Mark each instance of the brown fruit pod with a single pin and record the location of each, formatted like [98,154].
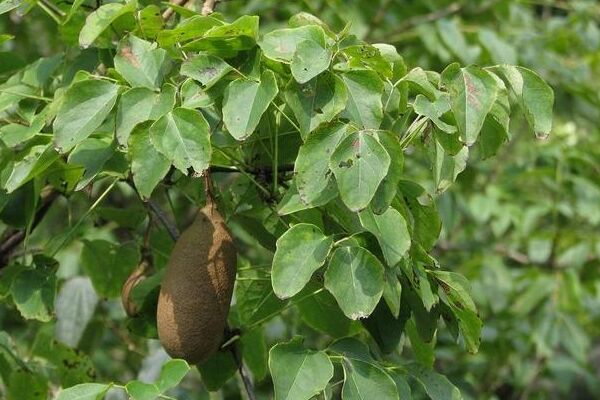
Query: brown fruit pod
[196,290]
[138,275]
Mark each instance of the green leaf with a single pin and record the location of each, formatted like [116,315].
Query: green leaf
[364,106]
[454,291]
[387,189]
[33,292]
[535,97]
[206,69]
[227,40]
[359,164]
[446,167]
[29,164]
[313,176]
[281,44]
[385,328]
[190,28]
[83,109]
[151,22]
[148,166]
[245,101]
[8,5]
[84,391]
[316,102]
[391,232]
[171,373]
[254,352]
[141,63]
[434,110]
[38,73]
[300,252]
[217,370]
[366,381]
[426,220]
[419,82]
[309,60]
[455,40]
[183,136]
[26,385]
[298,373]
[437,386]
[355,278]
[320,311]
[472,93]
[75,305]
[99,20]
[91,155]
[141,104]
[108,265]
[142,391]
[254,295]
[292,202]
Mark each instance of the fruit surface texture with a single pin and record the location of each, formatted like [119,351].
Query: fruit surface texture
[197,287]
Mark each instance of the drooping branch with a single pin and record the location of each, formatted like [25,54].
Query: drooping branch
[12,239]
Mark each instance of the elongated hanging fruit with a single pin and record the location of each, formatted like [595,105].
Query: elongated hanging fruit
[196,290]
[138,275]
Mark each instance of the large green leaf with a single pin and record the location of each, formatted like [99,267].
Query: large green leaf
[313,175]
[245,102]
[99,20]
[183,136]
[359,163]
[148,166]
[366,381]
[317,101]
[437,386]
[108,265]
[141,104]
[205,69]
[535,96]
[389,185]
[281,44]
[91,155]
[364,106]
[321,312]
[391,232]
[171,373]
[309,60]
[84,107]
[227,40]
[454,291]
[472,94]
[355,278]
[141,63]
[298,373]
[84,391]
[29,164]
[33,292]
[300,252]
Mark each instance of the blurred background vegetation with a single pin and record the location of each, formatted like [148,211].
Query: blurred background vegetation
[524,227]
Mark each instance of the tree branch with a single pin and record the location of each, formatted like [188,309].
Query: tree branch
[209,7]
[168,13]
[13,238]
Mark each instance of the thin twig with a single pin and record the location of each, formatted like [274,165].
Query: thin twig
[162,216]
[170,11]
[208,7]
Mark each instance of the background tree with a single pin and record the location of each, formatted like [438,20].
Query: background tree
[89,191]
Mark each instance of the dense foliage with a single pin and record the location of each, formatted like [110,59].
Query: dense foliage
[334,162]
